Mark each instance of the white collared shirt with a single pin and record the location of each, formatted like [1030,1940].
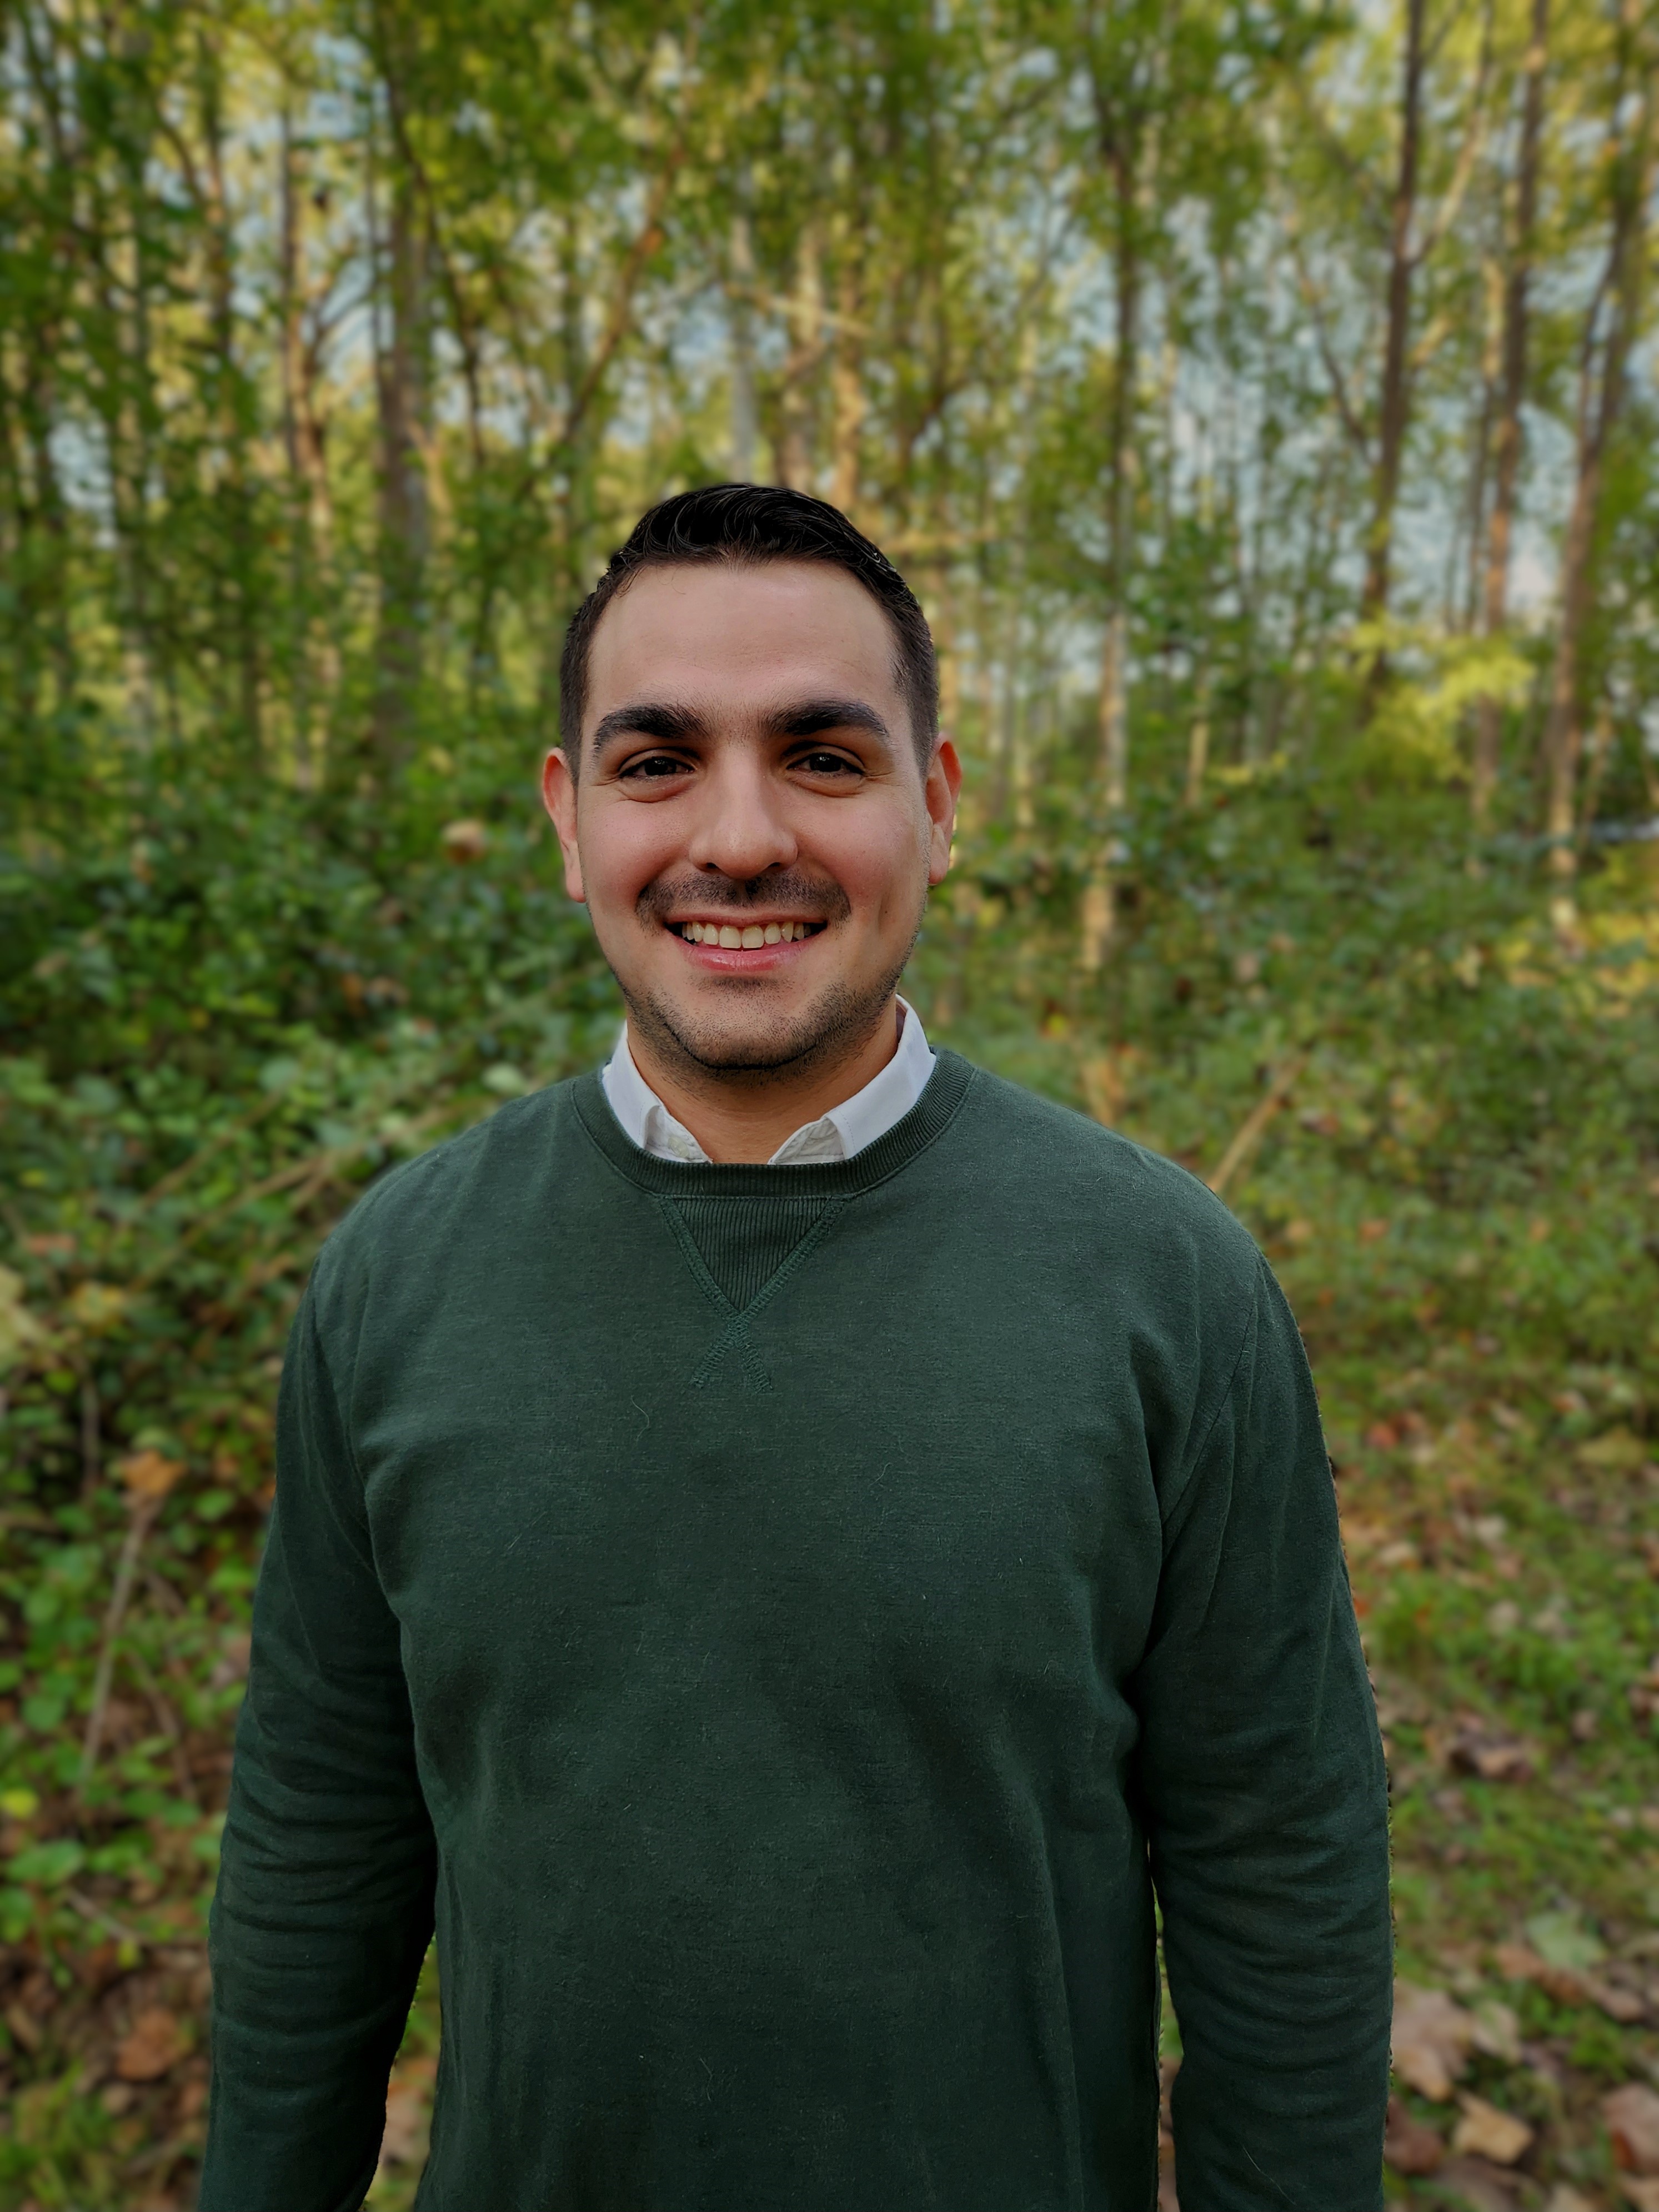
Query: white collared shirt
[837,1135]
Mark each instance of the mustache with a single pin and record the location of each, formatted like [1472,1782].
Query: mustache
[821,897]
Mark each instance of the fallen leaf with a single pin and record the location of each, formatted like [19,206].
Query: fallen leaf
[1475,2185]
[1410,2145]
[1564,2198]
[1488,2133]
[1619,2004]
[408,2113]
[1561,1939]
[1492,1757]
[155,2045]
[1568,1985]
[1642,2195]
[1632,2116]
[149,1474]
[464,840]
[1498,2031]
[1431,2038]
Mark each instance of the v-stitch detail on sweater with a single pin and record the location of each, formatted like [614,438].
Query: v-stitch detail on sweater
[735,1339]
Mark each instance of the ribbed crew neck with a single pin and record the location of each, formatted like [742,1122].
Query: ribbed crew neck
[927,1119]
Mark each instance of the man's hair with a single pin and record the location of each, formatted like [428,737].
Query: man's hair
[750,525]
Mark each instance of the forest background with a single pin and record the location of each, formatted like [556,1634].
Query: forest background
[1259,395]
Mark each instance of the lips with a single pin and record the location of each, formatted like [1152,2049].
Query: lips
[747,937]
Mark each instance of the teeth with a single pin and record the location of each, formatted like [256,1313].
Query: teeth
[774,932]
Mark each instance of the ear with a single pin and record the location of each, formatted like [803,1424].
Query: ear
[559,798]
[943,787]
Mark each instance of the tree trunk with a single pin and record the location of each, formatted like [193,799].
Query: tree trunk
[1198,744]
[806,321]
[740,308]
[221,272]
[846,381]
[402,383]
[316,665]
[1099,905]
[1507,443]
[1394,400]
[1600,403]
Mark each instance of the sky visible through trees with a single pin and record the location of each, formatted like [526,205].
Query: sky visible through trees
[1255,379]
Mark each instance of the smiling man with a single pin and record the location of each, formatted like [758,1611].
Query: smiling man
[788,1547]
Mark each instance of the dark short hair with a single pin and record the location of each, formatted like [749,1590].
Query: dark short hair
[748,525]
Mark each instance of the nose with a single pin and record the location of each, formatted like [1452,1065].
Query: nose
[741,826]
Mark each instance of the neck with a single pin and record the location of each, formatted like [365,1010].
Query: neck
[743,1115]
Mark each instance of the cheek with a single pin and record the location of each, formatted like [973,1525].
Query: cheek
[880,862]
[623,848]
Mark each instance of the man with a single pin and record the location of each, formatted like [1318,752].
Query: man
[792,1543]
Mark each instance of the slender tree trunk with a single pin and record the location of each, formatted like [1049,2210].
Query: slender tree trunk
[1393,399]
[1601,401]
[221,272]
[1198,744]
[806,321]
[401,387]
[847,379]
[1099,903]
[1507,442]
[740,308]
[316,669]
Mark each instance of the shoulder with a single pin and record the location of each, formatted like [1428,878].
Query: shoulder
[1049,1157]
[409,1214]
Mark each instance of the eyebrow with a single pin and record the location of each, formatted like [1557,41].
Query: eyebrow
[671,724]
[810,716]
[648,719]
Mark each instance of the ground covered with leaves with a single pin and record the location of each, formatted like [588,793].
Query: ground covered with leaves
[1439,1117]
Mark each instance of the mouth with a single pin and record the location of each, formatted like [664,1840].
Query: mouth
[744,937]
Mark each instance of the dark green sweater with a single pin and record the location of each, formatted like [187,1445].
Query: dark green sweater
[786,1620]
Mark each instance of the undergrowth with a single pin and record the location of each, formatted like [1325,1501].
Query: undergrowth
[1442,1121]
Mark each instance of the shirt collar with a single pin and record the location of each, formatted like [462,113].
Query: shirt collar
[839,1134]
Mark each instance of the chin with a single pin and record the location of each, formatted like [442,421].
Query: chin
[761,1040]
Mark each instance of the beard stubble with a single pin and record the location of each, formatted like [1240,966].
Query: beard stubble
[833,1026]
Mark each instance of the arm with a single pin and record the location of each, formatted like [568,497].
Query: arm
[324,1906]
[1267,1812]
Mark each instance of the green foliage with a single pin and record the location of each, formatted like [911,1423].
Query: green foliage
[338,344]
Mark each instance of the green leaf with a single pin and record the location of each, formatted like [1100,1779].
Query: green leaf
[49,1864]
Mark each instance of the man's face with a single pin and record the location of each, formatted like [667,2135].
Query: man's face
[751,829]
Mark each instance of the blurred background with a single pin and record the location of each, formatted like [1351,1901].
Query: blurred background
[1260,397]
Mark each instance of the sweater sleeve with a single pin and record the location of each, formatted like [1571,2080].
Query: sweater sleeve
[325,1902]
[1265,1797]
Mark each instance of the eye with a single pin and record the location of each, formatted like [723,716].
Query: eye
[654,767]
[825,763]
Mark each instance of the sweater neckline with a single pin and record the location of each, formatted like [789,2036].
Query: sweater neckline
[926,1121]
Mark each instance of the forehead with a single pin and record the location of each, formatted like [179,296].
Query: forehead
[720,635]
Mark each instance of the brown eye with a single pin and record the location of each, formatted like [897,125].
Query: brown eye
[828,765]
[655,766]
